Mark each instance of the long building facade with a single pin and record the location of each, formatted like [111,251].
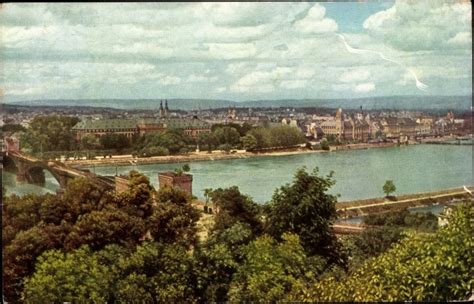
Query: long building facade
[141,126]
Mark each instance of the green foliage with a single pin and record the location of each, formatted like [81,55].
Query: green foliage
[225,147]
[372,242]
[305,208]
[154,144]
[186,168]
[50,133]
[114,141]
[270,269]
[325,144]
[154,151]
[249,142]
[90,142]
[218,259]
[99,228]
[235,207]
[138,199]
[174,219]
[242,129]
[227,136]
[155,273]
[12,128]
[68,277]
[279,136]
[427,222]
[422,267]
[389,187]
[20,255]
[84,214]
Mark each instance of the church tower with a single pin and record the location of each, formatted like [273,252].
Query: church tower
[162,111]
[167,110]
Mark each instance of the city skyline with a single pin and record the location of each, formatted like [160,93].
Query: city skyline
[234,51]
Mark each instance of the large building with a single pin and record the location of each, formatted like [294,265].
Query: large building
[131,127]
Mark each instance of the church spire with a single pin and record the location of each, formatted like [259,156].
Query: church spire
[161,108]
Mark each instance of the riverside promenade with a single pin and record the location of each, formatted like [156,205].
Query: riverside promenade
[127,160]
[380,205]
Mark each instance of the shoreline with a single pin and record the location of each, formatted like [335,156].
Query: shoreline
[205,156]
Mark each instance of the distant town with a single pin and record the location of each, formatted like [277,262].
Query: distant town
[335,125]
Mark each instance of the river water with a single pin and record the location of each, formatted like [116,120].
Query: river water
[359,174]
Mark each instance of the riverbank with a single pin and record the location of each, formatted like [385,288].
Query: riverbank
[127,160]
[363,207]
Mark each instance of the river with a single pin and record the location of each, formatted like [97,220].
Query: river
[359,174]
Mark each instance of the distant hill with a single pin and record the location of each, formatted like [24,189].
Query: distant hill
[458,103]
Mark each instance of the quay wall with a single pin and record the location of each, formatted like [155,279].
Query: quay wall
[381,205]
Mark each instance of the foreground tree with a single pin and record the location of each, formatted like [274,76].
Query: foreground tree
[270,269]
[174,218]
[218,259]
[68,277]
[235,207]
[305,208]
[422,267]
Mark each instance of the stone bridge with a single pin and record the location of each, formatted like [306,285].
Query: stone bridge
[31,170]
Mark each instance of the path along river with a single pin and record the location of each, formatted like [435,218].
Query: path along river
[359,174]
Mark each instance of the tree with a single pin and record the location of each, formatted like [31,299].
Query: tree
[389,187]
[138,199]
[218,259]
[227,136]
[270,269]
[68,277]
[422,267]
[20,255]
[108,226]
[174,219]
[325,144]
[207,194]
[249,142]
[155,273]
[372,242]
[235,207]
[90,142]
[305,208]
[50,133]
[114,141]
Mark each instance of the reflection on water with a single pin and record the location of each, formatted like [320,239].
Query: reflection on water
[13,187]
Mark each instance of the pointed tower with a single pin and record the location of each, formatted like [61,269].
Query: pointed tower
[161,108]
[167,110]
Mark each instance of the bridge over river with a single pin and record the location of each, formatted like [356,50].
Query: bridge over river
[31,170]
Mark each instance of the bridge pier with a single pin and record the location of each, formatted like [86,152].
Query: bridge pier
[63,180]
[21,173]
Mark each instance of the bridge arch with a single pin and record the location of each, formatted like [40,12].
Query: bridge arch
[31,171]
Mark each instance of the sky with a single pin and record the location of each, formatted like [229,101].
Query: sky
[234,51]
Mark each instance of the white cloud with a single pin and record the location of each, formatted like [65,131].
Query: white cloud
[293,84]
[315,22]
[364,87]
[461,39]
[200,78]
[170,80]
[421,25]
[231,50]
[355,75]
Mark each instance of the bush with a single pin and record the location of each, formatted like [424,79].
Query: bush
[155,151]
[325,145]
